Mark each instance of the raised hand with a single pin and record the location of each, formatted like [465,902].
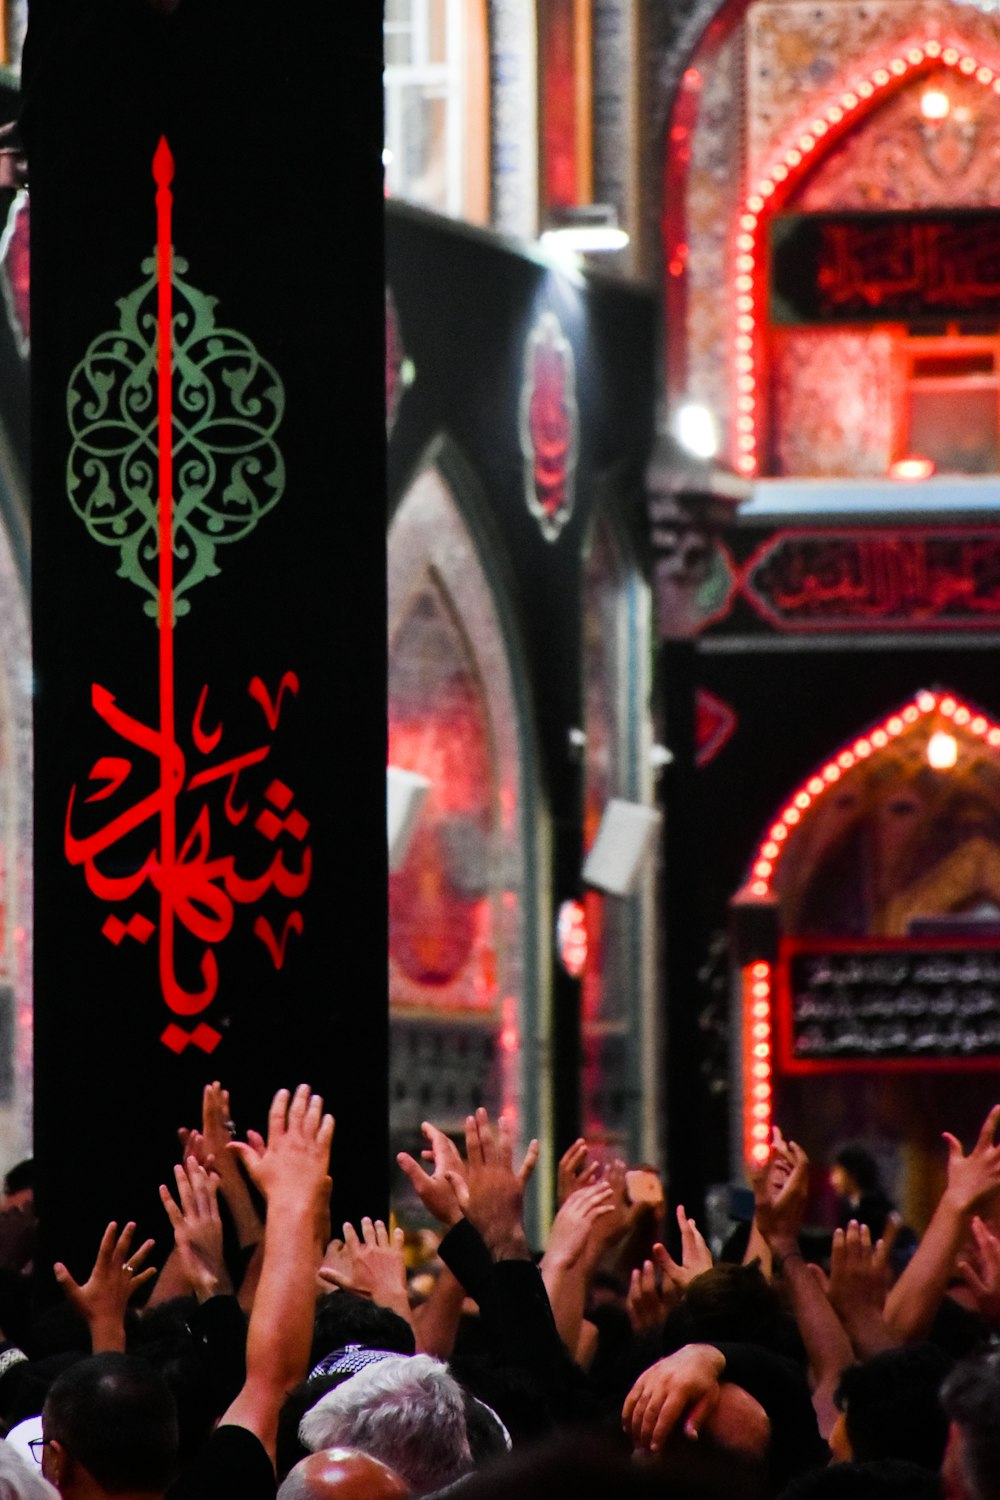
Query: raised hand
[575,1171]
[197,1228]
[491,1195]
[435,1188]
[979,1268]
[858,1285]
[650,1299]
[372,1265]
[780,1209]
[574,1224]
[103,1298]
[612,1227]
[696,1257]
[292,1167]
[974,1179]
[684,1387]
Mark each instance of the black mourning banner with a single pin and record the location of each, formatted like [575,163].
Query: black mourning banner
[890,1005]
[208,498]
[888,267]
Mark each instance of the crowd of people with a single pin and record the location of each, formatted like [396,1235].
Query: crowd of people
[269,1356]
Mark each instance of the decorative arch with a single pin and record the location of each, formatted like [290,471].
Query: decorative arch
[947,864]
[795,154]
[466,908]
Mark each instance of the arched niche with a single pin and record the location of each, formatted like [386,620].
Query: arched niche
[466,988]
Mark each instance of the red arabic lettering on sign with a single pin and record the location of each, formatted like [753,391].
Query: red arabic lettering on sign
[192,891]
[913,264]
[842,580]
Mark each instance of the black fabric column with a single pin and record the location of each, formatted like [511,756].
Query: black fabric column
[210,735]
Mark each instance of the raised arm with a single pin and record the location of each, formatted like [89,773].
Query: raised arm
[566,1265]
[291,1173]
[827,1345]
[972,1181]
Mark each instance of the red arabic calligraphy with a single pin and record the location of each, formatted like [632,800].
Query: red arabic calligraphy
[197,890]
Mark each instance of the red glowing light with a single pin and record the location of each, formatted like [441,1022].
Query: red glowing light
[950,56]
[879,739]
[692,79]
[761,1152]
[862,749]
[761,970]
[978,725]
[948,706]
[792,815]
[759,888]
[894,725]
[571,937]
[846,759]
[962,715]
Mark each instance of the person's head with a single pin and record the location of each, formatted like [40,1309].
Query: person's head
[731,1303]
[408,1411]
[884,1479]
[344,1318]
[971,1400]
[342,1474]
[110,1428]
[854,1171]
[890,1407]
[19,1186]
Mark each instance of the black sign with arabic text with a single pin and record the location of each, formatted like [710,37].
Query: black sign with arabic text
[890,1006]
[884,267]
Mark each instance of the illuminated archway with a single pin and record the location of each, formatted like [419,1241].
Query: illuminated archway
[796,154]
[936,731]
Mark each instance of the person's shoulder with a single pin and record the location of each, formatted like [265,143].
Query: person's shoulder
[234,1461]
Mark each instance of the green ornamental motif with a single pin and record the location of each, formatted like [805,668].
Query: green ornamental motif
[227,405]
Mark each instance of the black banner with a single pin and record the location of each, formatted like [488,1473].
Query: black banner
[208,450]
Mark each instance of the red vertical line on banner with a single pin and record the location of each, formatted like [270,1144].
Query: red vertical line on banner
[163,174]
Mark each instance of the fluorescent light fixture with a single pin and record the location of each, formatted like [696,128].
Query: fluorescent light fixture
[588,228]
[696,429]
